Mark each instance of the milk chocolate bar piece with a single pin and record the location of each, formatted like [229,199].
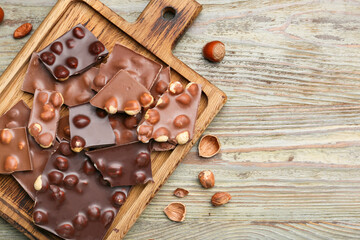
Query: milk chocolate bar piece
[44,116]
[74,201]
[14,150]
[124,127]
[124,165]
[76,90]
[72,53]
[18,116]
[63,130]
[142,69]
[89,127]
[161,84]
[173,118]
[122,94]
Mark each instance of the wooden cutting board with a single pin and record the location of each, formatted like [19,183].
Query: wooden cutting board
[153,34]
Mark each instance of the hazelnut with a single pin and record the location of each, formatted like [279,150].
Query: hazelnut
[132,107]
[175,211]
[181,121]
[42,97]
[57,99]
[11,164]
[111,105]
[183,137]
[207,179]
[192,88]
[45,140]
[146,100]
[152,116]
[180,192]
[161,87]
[214,51]
[184,99]
[6,136]
[35,129]
[176,88]
[163,102]
[144,133]
[77,144]
[220,198]
[161,135]
[48,113]
[209,146]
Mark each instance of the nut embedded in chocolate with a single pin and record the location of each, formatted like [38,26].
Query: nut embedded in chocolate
[183,137]
[48,113]
[61,163]
[146,100]
[70,43]
[6,136]
[11,164]
[61,73]
[161,135]
[80,222]
[57,47]
[77,144]
[181,121]
[65,230]
[132,107]
[48,58]
[35,129]
[176,88]
[152,116]
[40,217]
[107,217]
[111,105]
[72,62]
[163,102]
[81,121]
[78,32]
[57,99]
[45,140]
[184,99]
[96,48]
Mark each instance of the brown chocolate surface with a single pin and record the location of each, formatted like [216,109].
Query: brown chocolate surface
[72,53]
[173,118]
[63,130]
[161,84]
[74,201]
[76,90]
[18,116]
[124,165]
[44,116]
[14,150]
[142,69]
[121,90]
[162,146]
[90,127]
[124,127]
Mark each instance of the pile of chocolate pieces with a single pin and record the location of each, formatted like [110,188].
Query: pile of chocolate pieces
[79,168]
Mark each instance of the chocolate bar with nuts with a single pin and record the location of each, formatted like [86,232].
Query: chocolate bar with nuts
[72,53]
[73,200]
[124,127]
[44,116]
[124,165]
[173,118]
[89,127]
[63,130]
[161,84]
[14,150]
[142,69]
[18,116]
[76,90]
[122,94]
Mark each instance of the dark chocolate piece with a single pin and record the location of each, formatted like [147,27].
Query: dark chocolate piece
[63,130]
[74,201]
[89,127]
[124,165]
[142,69]
[122,94]
[124,127]
[14,151]
[162,146]
[72,53]
[161,84]
[44,116]
[173,118]
[18,116]
[76,90]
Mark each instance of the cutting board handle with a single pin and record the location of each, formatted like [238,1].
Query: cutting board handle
[163,21]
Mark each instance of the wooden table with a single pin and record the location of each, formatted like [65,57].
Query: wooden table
[290,131]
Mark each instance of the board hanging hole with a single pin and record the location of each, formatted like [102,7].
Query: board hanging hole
[168,13]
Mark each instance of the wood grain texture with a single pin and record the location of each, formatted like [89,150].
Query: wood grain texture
[290,131]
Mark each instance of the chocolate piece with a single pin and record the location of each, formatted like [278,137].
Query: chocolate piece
[162,146]
[124,127]
[76,90]
[14,150]
[122,94]
[124,165]
[89,127]
[142,69]
[173,118]
[72,53]
[18,116]
[74,201]
[44,116]
[63,130]
[161,84]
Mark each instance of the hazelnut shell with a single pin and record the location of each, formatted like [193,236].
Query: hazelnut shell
[175,211]
[209,146]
